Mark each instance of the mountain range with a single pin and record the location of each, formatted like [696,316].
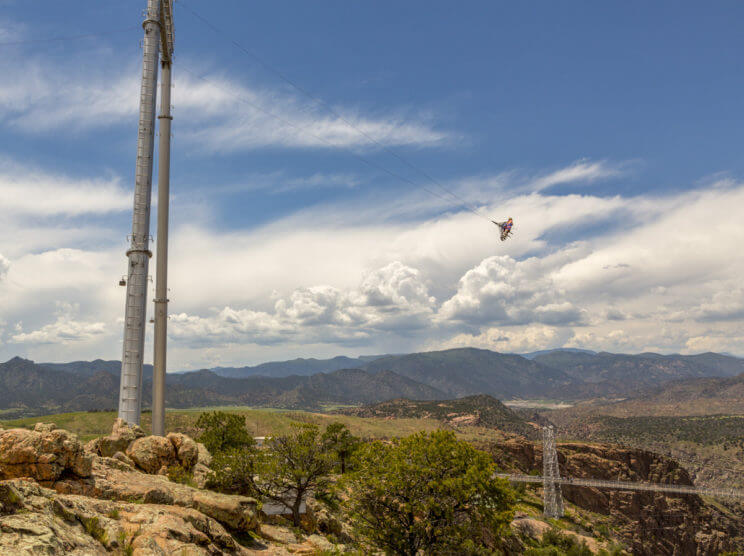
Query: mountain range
[30,388]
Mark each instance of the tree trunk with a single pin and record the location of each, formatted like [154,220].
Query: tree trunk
[296,518]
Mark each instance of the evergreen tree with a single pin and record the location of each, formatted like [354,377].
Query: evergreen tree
[428,492]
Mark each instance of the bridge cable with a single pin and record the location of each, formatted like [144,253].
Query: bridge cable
[460,200]
[260,108]
[69,38]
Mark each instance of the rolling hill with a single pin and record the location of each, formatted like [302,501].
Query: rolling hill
[481,411]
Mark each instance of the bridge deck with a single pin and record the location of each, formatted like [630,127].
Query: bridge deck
[628,485]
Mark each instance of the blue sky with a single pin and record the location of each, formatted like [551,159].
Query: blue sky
[609,131]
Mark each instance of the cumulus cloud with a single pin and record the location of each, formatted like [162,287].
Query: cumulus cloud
[726,304]
[389,299]
[512,340]
[501,290]
[337,277]
[64,329]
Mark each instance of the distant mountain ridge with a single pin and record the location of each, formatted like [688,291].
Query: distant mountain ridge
[469,371]
[89,368]
[31,389]
[534,354]
[300,367]
[620,375]
[311,383]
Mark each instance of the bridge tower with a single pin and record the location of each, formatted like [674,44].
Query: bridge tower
[552,496]
[158,27]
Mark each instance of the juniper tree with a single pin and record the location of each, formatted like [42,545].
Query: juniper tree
[427,492]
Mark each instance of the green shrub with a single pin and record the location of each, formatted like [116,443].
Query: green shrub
[234,470]
[293,465]
[223,431]
[428,492]
[338,440]
[178,474]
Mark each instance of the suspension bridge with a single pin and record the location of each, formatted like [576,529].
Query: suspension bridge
[552,482]
[628,485]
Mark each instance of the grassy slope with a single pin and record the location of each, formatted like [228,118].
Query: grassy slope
[261,422]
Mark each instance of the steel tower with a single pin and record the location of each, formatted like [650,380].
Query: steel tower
[158,26]
[552,496]
[161,279]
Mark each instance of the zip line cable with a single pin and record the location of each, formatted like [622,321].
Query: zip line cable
[70,38]
[305,92]
[319,138]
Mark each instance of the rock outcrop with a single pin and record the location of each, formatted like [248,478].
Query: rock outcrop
[112,479]
[57,498]
[122,435]
[46,454]
[187,452]
[151,454]
[42,521]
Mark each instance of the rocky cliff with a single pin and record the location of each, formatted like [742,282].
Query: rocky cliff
[58,497]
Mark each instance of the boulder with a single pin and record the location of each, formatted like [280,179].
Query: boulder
[236,512]
[123,458]
[530,527]
[122,435]
[203,457]
[92,447]
[10,499]
[327,523]
[152,453]
[201,474]
[187,452]
[42,454]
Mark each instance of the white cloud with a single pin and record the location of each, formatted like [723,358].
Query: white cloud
[63,330]
[38,97]
[521,339]
[280,182]
[501,290]
[227,116]
[342,277]
[390,299]
[725,304]
[30,191]
[583,171]
[4,266]
[220,114]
